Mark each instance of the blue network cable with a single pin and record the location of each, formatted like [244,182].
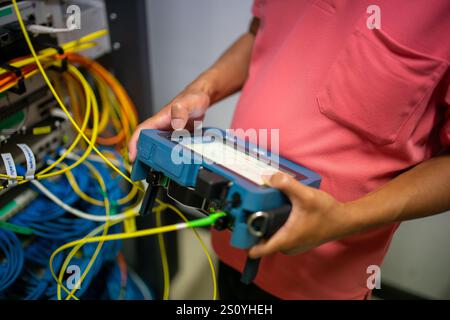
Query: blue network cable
[36,278]
[12,263]
[53,227]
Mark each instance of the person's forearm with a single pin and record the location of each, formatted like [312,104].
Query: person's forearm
[422,191]
[229,72]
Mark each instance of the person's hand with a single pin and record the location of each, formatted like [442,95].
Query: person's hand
[316,218]
[180,113]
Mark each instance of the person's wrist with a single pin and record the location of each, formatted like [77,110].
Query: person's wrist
[206,83]
[354,220]
[363,214]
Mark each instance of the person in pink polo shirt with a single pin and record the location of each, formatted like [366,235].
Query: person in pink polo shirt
[361,95]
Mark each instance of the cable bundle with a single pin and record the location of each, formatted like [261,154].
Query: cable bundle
[118,117]
[53,227]
[94,191]
[102,113]
[116,281]
[47,219]
[35,279]
[12,263]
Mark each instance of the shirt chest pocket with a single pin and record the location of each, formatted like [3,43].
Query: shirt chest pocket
[376,84]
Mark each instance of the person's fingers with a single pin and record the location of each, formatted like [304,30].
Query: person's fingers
[174,115]
[282,239]
[132,147]
[288,185]
[278,242]
[188,107]
[159,121]
[295,251]
[179,115]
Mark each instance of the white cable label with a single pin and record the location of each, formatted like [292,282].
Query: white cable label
[10,167]
[30,160]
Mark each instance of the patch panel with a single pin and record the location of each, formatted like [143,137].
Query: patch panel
[21,112]
[41,145]
[53,13]
[63,106]
[28,9]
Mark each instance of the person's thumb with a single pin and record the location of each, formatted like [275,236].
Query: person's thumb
[287,184]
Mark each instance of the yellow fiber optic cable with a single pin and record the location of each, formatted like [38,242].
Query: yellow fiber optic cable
[12,84]
[74,184]
[162,250]
[91,144]
[105,107]
[209,220]
[58,99]
[134,190]
[102,185]
[147,232]
[90,234]
[202,243]
[76,95]
[91,100]
[91,141]
[73,46]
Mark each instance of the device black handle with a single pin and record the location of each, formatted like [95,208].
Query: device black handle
[149,200]
[272,221]
[263,224]
[250,270]
[276,219]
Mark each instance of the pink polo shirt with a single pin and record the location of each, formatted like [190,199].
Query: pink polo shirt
[357,105]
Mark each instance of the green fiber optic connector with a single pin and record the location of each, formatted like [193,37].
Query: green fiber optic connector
[208,221]
[15,228]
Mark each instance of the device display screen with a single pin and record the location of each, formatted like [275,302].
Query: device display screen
[248,166]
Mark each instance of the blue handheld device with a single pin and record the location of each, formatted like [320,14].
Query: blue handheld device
[195,170]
